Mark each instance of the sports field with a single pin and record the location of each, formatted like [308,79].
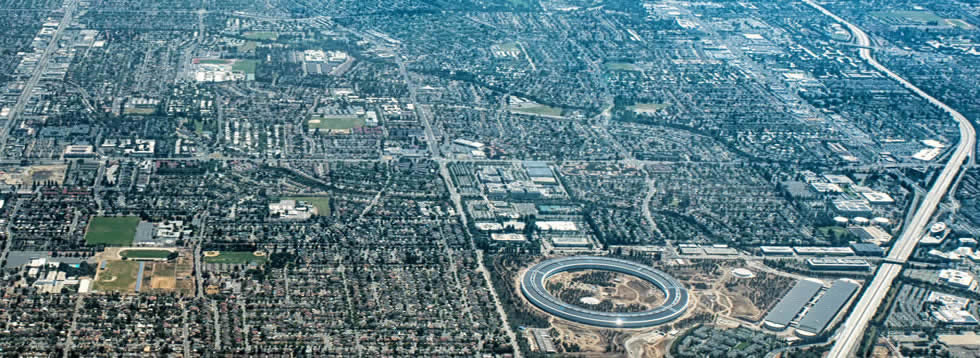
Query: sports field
[111,230]
[509,46]
[261,35]
[621,66]
[118,276]
[321,203]
[248,46]
[140,111]
[647,108]
[960,23]
[340,123]
[214,62]
[919,16]
[247,66]
[538,109]
[235,257]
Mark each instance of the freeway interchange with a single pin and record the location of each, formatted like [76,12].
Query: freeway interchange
[852,331]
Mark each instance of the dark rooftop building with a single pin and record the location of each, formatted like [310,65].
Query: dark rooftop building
[826,308]
[791,304]
[867,249]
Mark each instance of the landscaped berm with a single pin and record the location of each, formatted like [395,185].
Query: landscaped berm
[111,230]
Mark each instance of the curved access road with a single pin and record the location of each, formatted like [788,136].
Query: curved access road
[534,281]
[853,329]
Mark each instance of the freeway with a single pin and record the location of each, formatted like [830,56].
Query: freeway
[534,281]
[852,331]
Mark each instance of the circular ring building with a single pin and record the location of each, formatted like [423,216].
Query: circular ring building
[533,288]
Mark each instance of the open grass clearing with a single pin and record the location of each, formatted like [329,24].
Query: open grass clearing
[540,109]
[261,35]
[646,108]
[214,61]
[247,66]
[117,276]
[248,46]
[111,230]
[235,257]
[140,111]
[338,123]
[622,66]
[919,16]
[832,231]
[960,24]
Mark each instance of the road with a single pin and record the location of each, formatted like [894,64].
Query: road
[8,233]
[458,204]
[849,337]
[217,326]
[198,265]
[420,110]
[42,64]
[498,305]
[70,336]
[185,332]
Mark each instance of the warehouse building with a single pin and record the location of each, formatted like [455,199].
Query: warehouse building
[823,251]
[833,263]
[853,207]
[791,304]
[776,250]
[866,249]
[827,308]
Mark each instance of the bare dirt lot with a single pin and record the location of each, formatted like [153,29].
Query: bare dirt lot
[752,297]
[33,174]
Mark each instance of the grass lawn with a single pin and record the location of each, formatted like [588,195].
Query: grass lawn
[117,276]
[235,257]
[648,107]
[509,46]
[140,111]
[621,66]
[262,35]
[540,109]
[214,62]
[247,66]
[111,230]
[145,254]
[959,23]
[321,203]
[249,46]
[198,126]
[831,231]
[328,122]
